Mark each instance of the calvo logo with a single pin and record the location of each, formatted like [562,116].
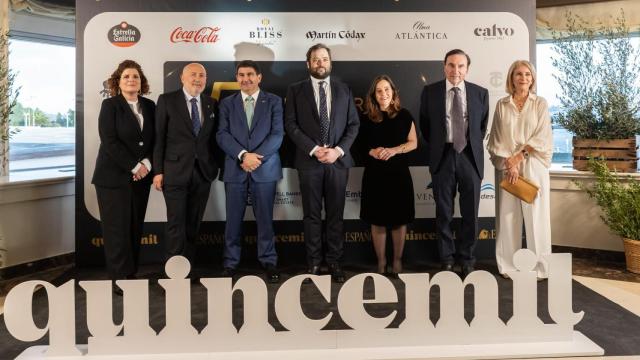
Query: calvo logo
[493,31]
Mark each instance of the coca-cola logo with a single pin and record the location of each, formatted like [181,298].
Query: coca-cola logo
[205,34]
[123,35]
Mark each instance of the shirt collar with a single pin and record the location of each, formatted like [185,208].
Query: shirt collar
[461,86]
[254,95]
[316,82]
[532,97]
[188,96]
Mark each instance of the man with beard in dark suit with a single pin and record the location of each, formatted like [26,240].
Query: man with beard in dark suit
[453,120]
[184,158]
[322,121]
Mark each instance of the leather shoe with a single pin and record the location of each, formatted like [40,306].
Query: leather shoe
[446,267]
[336,273]
[466,270]
[273,275]
[228,272]
[314,270]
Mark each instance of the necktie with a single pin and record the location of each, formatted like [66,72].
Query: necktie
[248,110]
[457,122]
[195,116]
[324,114]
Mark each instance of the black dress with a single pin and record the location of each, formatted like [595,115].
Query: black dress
[387,188]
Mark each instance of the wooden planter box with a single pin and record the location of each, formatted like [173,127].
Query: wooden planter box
[620,155]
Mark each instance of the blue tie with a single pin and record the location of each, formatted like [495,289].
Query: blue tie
[324,114]
[195,116]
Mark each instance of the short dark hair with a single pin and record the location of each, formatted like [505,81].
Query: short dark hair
[315,47]
[249,63]
[457,52]
[113,83]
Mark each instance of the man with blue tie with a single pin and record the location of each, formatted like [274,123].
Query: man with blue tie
[250,134]
[322,121]
[453,121]
[184,158]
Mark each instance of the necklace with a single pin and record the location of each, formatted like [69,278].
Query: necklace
[520,102]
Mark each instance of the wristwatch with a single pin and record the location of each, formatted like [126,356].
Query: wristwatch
[525,153]
[242,156]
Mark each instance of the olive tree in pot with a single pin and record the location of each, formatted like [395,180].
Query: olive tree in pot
[597,69]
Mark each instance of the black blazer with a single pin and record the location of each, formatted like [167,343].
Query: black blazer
[302,122]
[122,143]
[433,118]
[176,147]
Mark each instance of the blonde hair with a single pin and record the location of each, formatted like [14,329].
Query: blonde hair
[509,87]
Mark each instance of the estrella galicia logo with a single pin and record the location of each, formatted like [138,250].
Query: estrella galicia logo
[487,188]
[494,32]
[123,35]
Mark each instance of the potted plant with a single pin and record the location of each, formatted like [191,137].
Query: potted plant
[597,70]
[619,200]
[8,99]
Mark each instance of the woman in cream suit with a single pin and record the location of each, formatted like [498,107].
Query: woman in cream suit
[521,143]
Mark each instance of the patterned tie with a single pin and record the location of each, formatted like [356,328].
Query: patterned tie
[457,122]
[248,110]
[195,116]
[324,114]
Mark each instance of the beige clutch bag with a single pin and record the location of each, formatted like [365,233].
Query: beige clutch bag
[524,189]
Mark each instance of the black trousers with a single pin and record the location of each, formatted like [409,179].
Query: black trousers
[329,183]
[122,211]
[457,172]
[185,208]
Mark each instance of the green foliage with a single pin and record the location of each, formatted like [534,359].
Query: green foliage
[597,70]
[618,199]
[8,93]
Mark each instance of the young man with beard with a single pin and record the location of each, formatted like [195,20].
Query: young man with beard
[321,119]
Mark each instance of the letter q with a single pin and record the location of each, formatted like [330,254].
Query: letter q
[18,316]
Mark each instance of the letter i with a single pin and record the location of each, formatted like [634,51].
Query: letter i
[178,298]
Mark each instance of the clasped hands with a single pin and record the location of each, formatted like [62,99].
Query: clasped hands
[326,155]
[511,165]
[382,153]
[251,161]
[141,173]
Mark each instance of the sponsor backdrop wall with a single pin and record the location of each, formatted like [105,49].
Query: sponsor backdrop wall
[404,39]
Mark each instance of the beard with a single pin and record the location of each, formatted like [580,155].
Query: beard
[320,75]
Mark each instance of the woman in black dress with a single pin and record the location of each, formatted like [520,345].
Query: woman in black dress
[387,190]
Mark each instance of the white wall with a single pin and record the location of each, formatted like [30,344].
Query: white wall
[37,219]
[575,219]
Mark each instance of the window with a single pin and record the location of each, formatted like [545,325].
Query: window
[550,90]
[45,112]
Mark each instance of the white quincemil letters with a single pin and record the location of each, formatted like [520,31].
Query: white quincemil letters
[350,302]
[62,314]
[288,307]
[178,298]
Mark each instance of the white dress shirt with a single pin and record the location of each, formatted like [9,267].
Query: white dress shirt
[449,104]
[137,111]
[255,101]
[315,84]
[188,98]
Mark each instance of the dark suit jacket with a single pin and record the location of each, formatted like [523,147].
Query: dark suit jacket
[176,146]
[302,122]
[264,137]
[122,143]
[433,117]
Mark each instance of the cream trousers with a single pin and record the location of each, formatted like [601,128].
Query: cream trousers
[511,212]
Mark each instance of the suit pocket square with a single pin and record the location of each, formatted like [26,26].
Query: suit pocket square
[524,189]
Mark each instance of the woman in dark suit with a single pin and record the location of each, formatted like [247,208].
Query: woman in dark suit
[121,176]
[389,134]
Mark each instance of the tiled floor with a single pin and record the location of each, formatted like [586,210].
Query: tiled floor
[608,279]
